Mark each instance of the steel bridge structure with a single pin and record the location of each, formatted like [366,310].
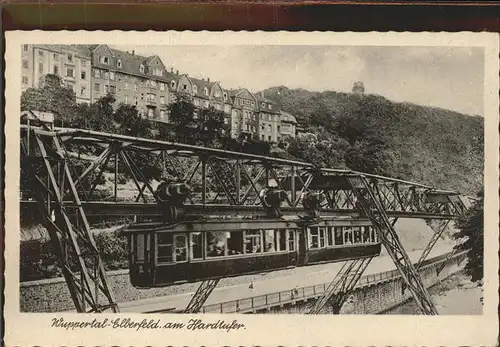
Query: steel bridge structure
[62,173]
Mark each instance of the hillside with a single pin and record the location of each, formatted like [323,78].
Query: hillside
[370,133]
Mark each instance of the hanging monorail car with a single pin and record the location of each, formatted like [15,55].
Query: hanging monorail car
[163,255]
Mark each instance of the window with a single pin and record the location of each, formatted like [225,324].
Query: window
[112,75]
[153,84]
[104,60]
[280,240]
[40,53]
[162,100]
[25,79]
[162,114]
[226,121]
[25,48]
[269,138]
[269,241]
[83,75]
[217,94]
[106,88]
[184,87]
[25,64]
[205,104]
[135,87]
[225,96]
[269,106]
[180,243]
[112,89]
[216,244]
[150,113]
[263,104]
[195,243]
[172,84]
[106,75]
[348,237]
[322,232]
[165,244]
[291,240]
[119,63]
[141,68]
[157,72]
[162,86]
[262,137]
[338,236]
[196,102]
[148,83]
[269,128]
[40,68]
[55,56]
[313,237]
[357,234]
[70,73]
[69,57]
[253,241]
[83,62]
[125,85]
[330,235]
[97,87]
[205,91]
[97,73]
[366,234]
[82,90]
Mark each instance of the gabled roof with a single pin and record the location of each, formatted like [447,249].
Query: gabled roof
[79,50]
[200,85]
[274,107]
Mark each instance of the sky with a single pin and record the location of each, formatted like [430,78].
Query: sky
[447,77]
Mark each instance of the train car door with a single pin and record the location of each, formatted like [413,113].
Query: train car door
[303,255]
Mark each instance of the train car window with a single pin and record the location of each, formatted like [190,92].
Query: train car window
[339,236]
[180,248]
[139,243]
[216,243]
[235,243]
[330,235]
[269,244]
[313,237]
[375,237]
[253,241]
[357,234]
[291,240]
[348,237]
[322,232]
[366,234]
[196,246]
[280,240]
[164,243]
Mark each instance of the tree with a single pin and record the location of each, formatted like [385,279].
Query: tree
[98,117]
[197,126]
[471,234]
[51,96]
[130,123]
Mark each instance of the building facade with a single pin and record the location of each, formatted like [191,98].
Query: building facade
[94,71]
[71,63]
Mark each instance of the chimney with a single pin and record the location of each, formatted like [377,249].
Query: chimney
[262,94]
[171,70]
[208,80]
[176,72]
[133,52]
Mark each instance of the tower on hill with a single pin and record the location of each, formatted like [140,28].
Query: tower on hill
[358,87]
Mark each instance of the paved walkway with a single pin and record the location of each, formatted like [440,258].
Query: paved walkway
[300,277]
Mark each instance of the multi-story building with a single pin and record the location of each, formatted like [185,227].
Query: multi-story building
[269,118]
[287,125]
[144,81]
[71,63]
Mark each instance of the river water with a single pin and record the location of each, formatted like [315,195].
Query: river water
[456,295]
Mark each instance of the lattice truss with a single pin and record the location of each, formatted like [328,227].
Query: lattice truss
[64,171]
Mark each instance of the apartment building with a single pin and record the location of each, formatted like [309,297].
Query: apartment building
[71,63]
[144,81]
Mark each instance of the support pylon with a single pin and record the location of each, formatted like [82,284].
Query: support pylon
[435,237]
[69,230]
[342,285]
[373,208]
[201,295]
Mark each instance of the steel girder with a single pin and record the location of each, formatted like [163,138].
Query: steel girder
[201,295]
[374,210]
[228,182]
[341,286]
[51,177]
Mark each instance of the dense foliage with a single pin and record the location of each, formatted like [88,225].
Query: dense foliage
[471,239]
[370,133]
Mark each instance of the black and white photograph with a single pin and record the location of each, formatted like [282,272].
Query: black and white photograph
[241,179]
